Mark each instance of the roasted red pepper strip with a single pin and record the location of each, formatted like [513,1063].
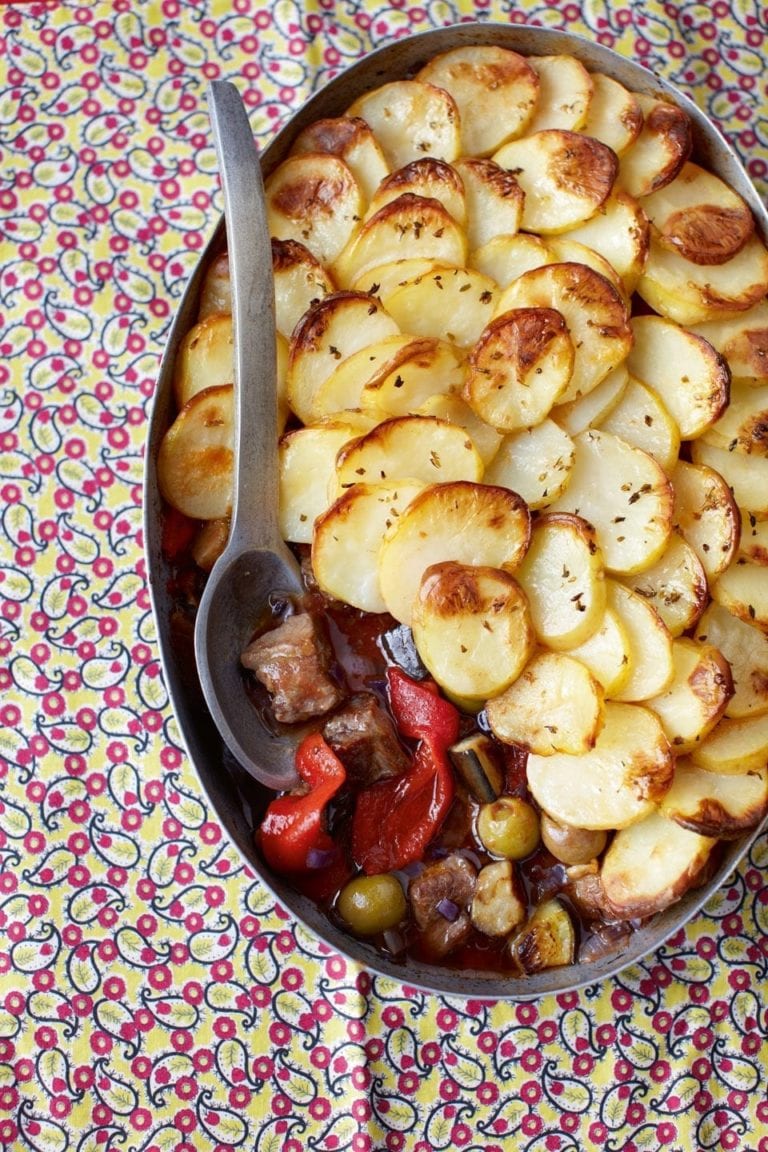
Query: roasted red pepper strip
[294,825]
[396,819]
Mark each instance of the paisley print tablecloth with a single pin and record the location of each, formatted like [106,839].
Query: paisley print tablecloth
[152,996]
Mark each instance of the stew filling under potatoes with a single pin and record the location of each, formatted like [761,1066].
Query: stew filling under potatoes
[522,343]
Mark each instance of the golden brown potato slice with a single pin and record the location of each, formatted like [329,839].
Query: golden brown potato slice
[307,465]
[554,706]
[351,139]
[624,493]
[619,781]
[205,358]
[383,279]
[426,177]
[754,540]
[619,231]
[416,447]
[427,367]
[347,541]
[746,650]
[494,89]
[641,418]
[329,331]
[196,457]
[504,258]
[724,806]
[699,216]
[651,864]
[450,406]
[651,666]
[743,590]
[614,115]
[344,387]
[593,310]
[734,747]
[676,585]
[474,524]
[314,198]
[547,940]
[563,577]
[494,200]
[453,304]
[660,150]
[743,426]
[216,290]
[696,697]
[300,280]
[741,339]
[535,462]
[565,177]
[588,411]
[746,476]
[472,630]
[499,904]
[411,119]
[706,515]
[694,293]
[566,250]
[410,226]
[565,93]
[519,367]
[607,653]
[691,378]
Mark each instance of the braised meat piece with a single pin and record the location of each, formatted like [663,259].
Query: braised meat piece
[292,662]
[364,739]
[440,899]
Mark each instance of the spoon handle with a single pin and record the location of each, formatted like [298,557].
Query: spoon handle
[255,495]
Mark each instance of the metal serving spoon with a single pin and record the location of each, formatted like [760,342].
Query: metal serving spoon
[256,565]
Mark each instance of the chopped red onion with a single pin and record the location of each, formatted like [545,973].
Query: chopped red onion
[447,909]
[320,857]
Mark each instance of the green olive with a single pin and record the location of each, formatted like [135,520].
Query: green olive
[371,904]
[509,827]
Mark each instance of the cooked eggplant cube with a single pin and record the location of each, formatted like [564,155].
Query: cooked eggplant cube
[476,760]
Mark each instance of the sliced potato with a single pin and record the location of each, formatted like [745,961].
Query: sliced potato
[607,653]
[743,426]
[494,89]
[418,447]
[593,310]
[300,280]
[535,462]
[426,177]
[619,781]
[742,339]
[209,543]
[624,493]
[660,149]
[195,463]
[307,465]
[614,115]
[346,383]
[314,198]
[641,418]
[472,629]
[697,695]
[754,540]
[651,864]
[453,304]
[410,226]
[746,476]
[411,119]
[205,358]
[699,216]
[352,140]
[743,590]
[694,293]
[474,524]
[706,515]
[734,747]
[494,200]
[651,666]
[383,279]
[450,406]
[547,940]
[563,577]
[746,650]
[331,330]
[504,258]
[347,540]
[428,367]
[565,177]
[724,806]
[498,905]
[594,406]
[619,231]
[519,367]
[691,378]
[566,250]
[565,93]
[216,289]
[676,585]
[554,706]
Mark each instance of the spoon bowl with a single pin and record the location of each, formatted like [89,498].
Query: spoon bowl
[256,568]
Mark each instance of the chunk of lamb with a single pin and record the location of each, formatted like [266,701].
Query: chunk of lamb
[364,739]
[292,662]
[440,899]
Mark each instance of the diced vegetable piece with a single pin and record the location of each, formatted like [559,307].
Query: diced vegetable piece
[499,905]
[476,760]
[546,941]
